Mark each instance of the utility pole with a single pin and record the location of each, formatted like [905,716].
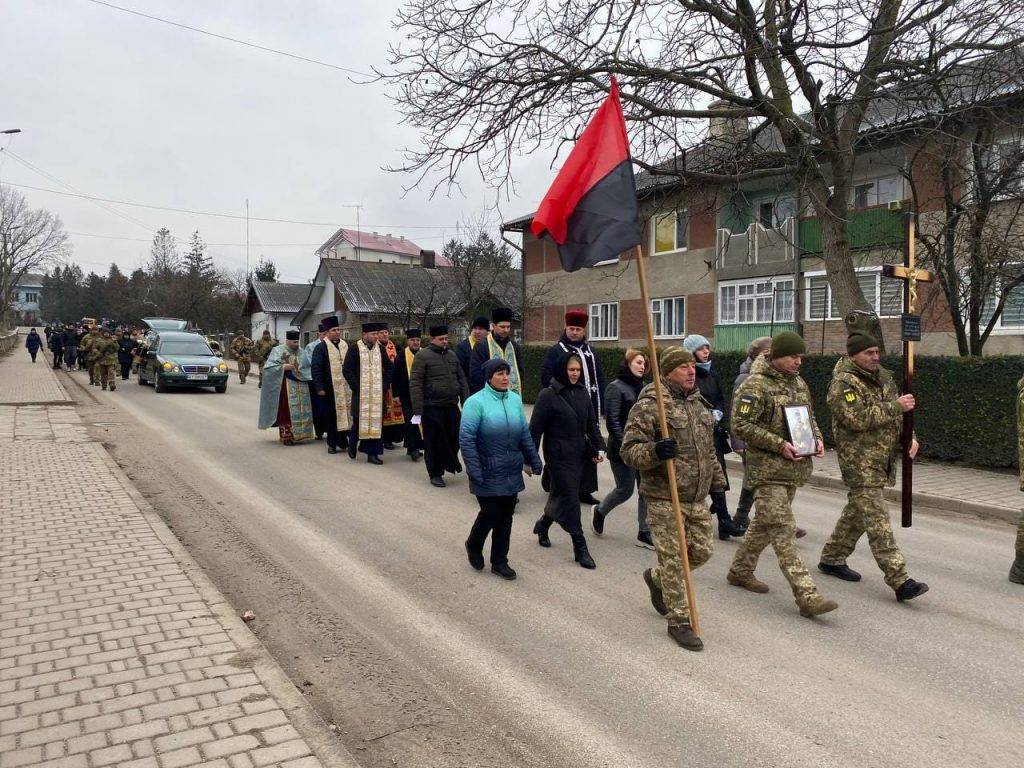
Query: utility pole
[247,273]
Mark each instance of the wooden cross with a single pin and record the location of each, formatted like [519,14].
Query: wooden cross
[911,332]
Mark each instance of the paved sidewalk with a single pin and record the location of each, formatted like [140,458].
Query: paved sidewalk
[22,381]
[114,647]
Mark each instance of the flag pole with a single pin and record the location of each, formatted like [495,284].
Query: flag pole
[670,467]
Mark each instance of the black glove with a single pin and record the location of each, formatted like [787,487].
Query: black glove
[666,448]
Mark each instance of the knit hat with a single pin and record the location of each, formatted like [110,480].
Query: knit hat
[481,322]
[672,358]
[787,343]
[858,342]
[494,365]
[577,317]
[695,341]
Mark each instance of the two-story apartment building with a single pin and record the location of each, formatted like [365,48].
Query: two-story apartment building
[27,296]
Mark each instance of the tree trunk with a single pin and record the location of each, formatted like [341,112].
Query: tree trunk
[842,277]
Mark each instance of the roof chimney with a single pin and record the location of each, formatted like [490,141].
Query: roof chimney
[724,125]
[428,259]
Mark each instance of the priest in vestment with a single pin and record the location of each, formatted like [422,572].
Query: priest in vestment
[314,397]
[400,387]
[327,367]
[284,396]
[394,415]
[367,370]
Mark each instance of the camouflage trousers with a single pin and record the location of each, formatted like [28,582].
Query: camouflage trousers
[243,369]
[668,576]
[865,512]
[774,524]
[106,373]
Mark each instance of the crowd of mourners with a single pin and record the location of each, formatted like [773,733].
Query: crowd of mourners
[107,351]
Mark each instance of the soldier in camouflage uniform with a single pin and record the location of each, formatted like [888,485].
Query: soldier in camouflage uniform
[262,350]
[1017,569]
[774,469]
[697,473]
[241,350]
[104,354]
[85,352]
[867,415]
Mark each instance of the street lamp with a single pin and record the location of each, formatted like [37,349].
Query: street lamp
[11,131]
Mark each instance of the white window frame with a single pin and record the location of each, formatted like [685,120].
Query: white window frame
[1004,330]
[675,229]
[658,316]
[901,190]
[31,297]
[995,167]
[828,295]
[736,284]
[603,316]
[780,202]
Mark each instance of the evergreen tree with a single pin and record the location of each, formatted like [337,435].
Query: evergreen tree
[266,271]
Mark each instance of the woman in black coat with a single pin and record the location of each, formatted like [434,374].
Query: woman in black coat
[33,343]
[125,347]
[564,421]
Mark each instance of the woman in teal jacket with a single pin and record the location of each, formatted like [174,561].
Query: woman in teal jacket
[496,443]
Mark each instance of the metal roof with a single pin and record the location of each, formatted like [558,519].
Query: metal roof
[283,298]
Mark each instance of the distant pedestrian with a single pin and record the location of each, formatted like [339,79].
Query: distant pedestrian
[327,369]
[464,349]
[564,421]
[56,345]
[125,349]
[242,350]
[710,385]
[33,342]
[70,338]
[619,397]
[262,351]
[105,360]
[497,449]
[413,439]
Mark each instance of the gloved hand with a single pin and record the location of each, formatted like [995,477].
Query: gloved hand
[717,414]
[666,448]
[415,420]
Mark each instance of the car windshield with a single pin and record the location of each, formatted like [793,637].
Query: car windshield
[185,347]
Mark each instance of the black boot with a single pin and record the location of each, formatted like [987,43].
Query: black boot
[742,516]
[1017,570]
[580,552]
[541,529]
[840,571]
[720,508]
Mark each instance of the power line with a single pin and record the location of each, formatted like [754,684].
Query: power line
[235,40]
[237,217]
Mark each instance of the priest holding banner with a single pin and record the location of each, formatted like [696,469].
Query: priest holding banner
[327,363]
[284,398]
[367,369]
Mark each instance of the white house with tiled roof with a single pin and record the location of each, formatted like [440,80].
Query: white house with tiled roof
[350,245]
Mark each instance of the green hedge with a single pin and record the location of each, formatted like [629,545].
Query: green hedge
[965,405]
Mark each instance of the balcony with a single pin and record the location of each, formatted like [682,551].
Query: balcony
[737,338]
[757,245]
[876,227]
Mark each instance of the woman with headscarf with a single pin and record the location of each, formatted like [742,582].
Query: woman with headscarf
[496,449]
[564,419]
[619,397]
[710,386]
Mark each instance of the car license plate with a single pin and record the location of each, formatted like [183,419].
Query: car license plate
[196,377]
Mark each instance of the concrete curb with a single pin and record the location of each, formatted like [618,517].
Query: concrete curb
[300,712]
[924,500]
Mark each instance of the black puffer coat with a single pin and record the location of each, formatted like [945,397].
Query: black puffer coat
[710,385]
[565,426]
[619,397]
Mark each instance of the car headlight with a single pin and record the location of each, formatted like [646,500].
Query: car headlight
[223,367]
[169,366]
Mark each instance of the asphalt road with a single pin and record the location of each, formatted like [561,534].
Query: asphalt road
[362,591]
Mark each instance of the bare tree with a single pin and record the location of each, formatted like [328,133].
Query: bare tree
[30,239]
[486,81]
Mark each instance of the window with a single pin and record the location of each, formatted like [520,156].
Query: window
[884,294]
[31,297]
[766,214]
[772,212]
[670,231]
[669,317]
[604,321]
[879,191]
[753,301]
[1001,167]
[1012,317]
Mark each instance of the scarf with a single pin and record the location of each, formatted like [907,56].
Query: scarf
[371,396]
[586,354]
[342,395]
[508,354]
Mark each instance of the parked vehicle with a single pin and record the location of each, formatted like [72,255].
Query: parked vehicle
[181,359]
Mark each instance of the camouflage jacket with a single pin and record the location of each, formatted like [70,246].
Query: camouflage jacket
[241,348]
[1020,429]
[104,351]
[263,347]
[866,422]
[693,427]
[758,419]
[86,348]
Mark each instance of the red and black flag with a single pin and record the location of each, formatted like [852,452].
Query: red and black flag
[591,211]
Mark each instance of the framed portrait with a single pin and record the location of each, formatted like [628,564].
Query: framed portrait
[801,434]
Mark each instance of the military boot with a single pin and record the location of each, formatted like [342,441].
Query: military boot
[815,605]
[910,589]
[684,635]
[841,571]
[1017,569]
[749,583]
[742,516]
[657,598]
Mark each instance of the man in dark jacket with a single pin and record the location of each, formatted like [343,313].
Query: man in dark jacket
[574,341]
[710,385]
[436,387]
[413,441]
[125,348]
[464,349]
[497,344]
[56,345]
[33,342]
[368,380]
[70,337]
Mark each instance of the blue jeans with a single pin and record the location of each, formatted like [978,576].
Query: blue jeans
[626,481]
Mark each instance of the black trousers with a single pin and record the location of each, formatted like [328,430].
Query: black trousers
[34,352]
[441,439]
[126,368]
[336,439]
[495,518]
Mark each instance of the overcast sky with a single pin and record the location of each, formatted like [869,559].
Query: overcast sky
[121,107]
